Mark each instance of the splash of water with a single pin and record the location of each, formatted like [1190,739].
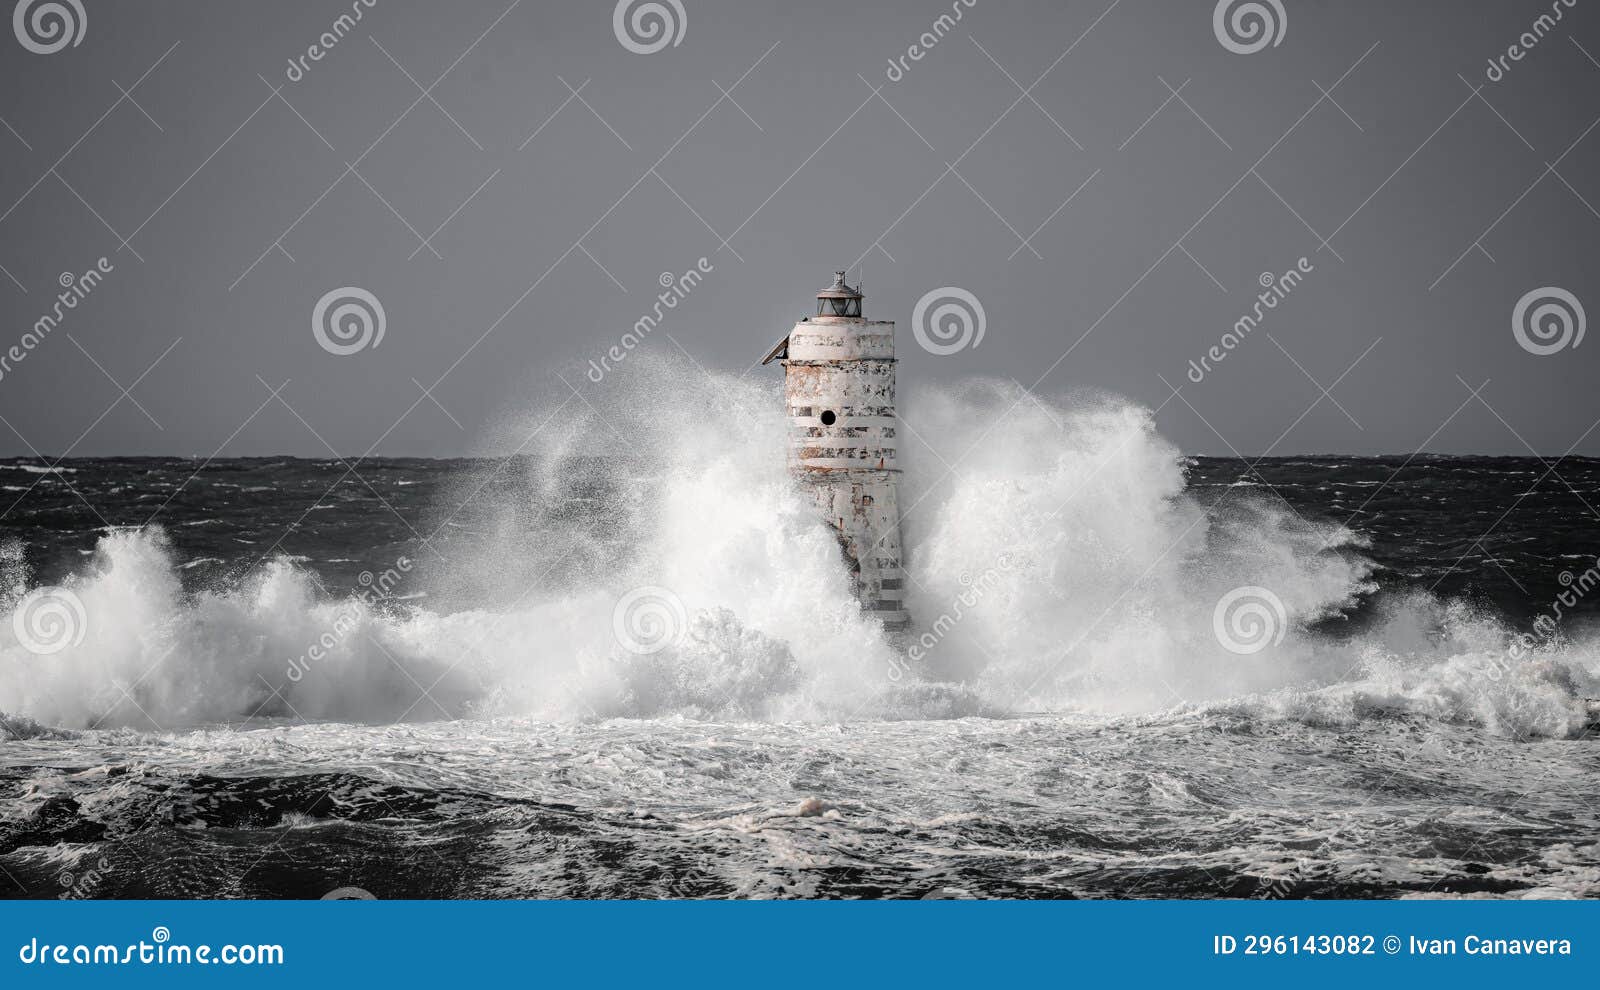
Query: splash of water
[1055,563]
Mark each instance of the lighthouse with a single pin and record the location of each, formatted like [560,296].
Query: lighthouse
[838,388]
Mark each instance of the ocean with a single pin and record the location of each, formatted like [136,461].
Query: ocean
[622,662]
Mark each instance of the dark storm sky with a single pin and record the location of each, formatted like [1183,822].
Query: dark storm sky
[1424,212]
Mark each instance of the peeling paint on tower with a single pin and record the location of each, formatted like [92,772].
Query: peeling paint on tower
[839,391]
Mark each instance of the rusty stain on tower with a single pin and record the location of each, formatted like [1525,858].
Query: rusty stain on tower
[839,391]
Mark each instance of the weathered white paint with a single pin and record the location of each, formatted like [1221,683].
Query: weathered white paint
[845,365]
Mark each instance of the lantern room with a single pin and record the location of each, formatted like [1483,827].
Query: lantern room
[839,299]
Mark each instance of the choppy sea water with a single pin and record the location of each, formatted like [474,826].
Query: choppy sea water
[412,677]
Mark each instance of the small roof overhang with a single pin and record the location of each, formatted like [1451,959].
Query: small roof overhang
[781,350]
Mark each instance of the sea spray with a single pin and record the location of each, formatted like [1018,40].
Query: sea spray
[669,477]
[1114,568]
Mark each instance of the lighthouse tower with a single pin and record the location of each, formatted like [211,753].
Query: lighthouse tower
[838,387]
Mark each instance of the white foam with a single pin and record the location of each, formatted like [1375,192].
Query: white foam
[1086,580]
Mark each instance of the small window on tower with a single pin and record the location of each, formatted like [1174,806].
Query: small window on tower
[828,418]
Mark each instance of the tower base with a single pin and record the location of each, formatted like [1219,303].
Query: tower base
[865,513]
